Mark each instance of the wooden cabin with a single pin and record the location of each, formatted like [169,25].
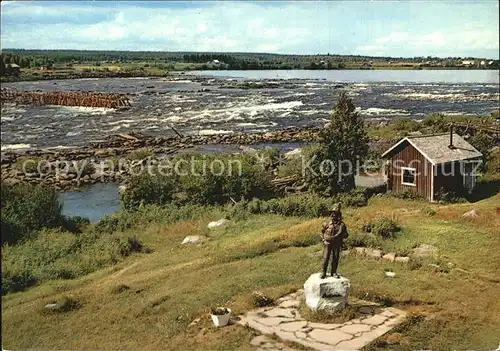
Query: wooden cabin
[428,163]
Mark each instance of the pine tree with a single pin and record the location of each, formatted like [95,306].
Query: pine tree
[343,144]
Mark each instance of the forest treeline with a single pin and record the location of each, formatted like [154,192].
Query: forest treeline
[37,58]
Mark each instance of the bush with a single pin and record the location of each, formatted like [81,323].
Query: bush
[493,163]
[259,299]
[406,125]
[55,254]
[243,178]
[270,156]
[26,209]
[445,196]
[408,195]
[428,211]
[146,189]
[361,240]
[355,198]
[28,164]
[385,227]
[292,167]
[144,215]
[75,224]
[301,205]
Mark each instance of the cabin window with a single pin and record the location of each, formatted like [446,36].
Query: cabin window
[409,176]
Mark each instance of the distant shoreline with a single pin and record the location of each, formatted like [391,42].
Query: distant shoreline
[59,75]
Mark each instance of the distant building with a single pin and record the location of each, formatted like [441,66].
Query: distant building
[214,62]
[429,163]
[45,68]
[483,63]
[12,69]
[468,63]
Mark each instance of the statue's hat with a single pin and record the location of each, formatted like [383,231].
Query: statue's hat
[335,208]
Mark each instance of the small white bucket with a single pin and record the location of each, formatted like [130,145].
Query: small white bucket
[221,320]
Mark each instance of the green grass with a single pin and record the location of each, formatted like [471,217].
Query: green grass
[148,300]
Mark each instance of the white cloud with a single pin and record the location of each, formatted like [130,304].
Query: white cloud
[296,27]
[451,43]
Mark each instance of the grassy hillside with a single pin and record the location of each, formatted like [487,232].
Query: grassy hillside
[148,300]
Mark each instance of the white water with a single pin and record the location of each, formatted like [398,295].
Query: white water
[367,76]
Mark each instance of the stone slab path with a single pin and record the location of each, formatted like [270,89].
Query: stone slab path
[286,323]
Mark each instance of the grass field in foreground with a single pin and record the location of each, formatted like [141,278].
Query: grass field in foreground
[170,287]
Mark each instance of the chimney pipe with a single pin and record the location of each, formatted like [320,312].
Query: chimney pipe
[451,137]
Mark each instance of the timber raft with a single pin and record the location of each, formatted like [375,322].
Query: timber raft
[66,98]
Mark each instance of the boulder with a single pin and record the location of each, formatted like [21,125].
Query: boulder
[389,257]
[193,239]
[471,213]
[402,260]
[216,224]
[374,253]
[329,294]
[51,306]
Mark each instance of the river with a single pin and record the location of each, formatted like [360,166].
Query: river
[368,76]
[211,103]
[208,102]
[94,201]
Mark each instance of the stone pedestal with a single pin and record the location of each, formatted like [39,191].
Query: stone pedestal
[329,294]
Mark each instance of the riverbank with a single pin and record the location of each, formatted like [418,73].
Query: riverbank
[116,158]
[98,72]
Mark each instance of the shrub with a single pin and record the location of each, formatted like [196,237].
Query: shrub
[55,254]
[438,123]
[385,227]
[493,163]
[406,125]
[292,167]
[243,178]
[146,189]
[355,198]
[428,211]
[144,215]
[26,209]
[445,196]
[301,206]
[28,164]
[408,195]
[259,299]
[361,240]
[75,224]
[240,210]
[270,156]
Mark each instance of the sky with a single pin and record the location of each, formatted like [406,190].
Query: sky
[403,28]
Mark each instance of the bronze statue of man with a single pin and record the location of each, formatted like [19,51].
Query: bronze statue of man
[333,234]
